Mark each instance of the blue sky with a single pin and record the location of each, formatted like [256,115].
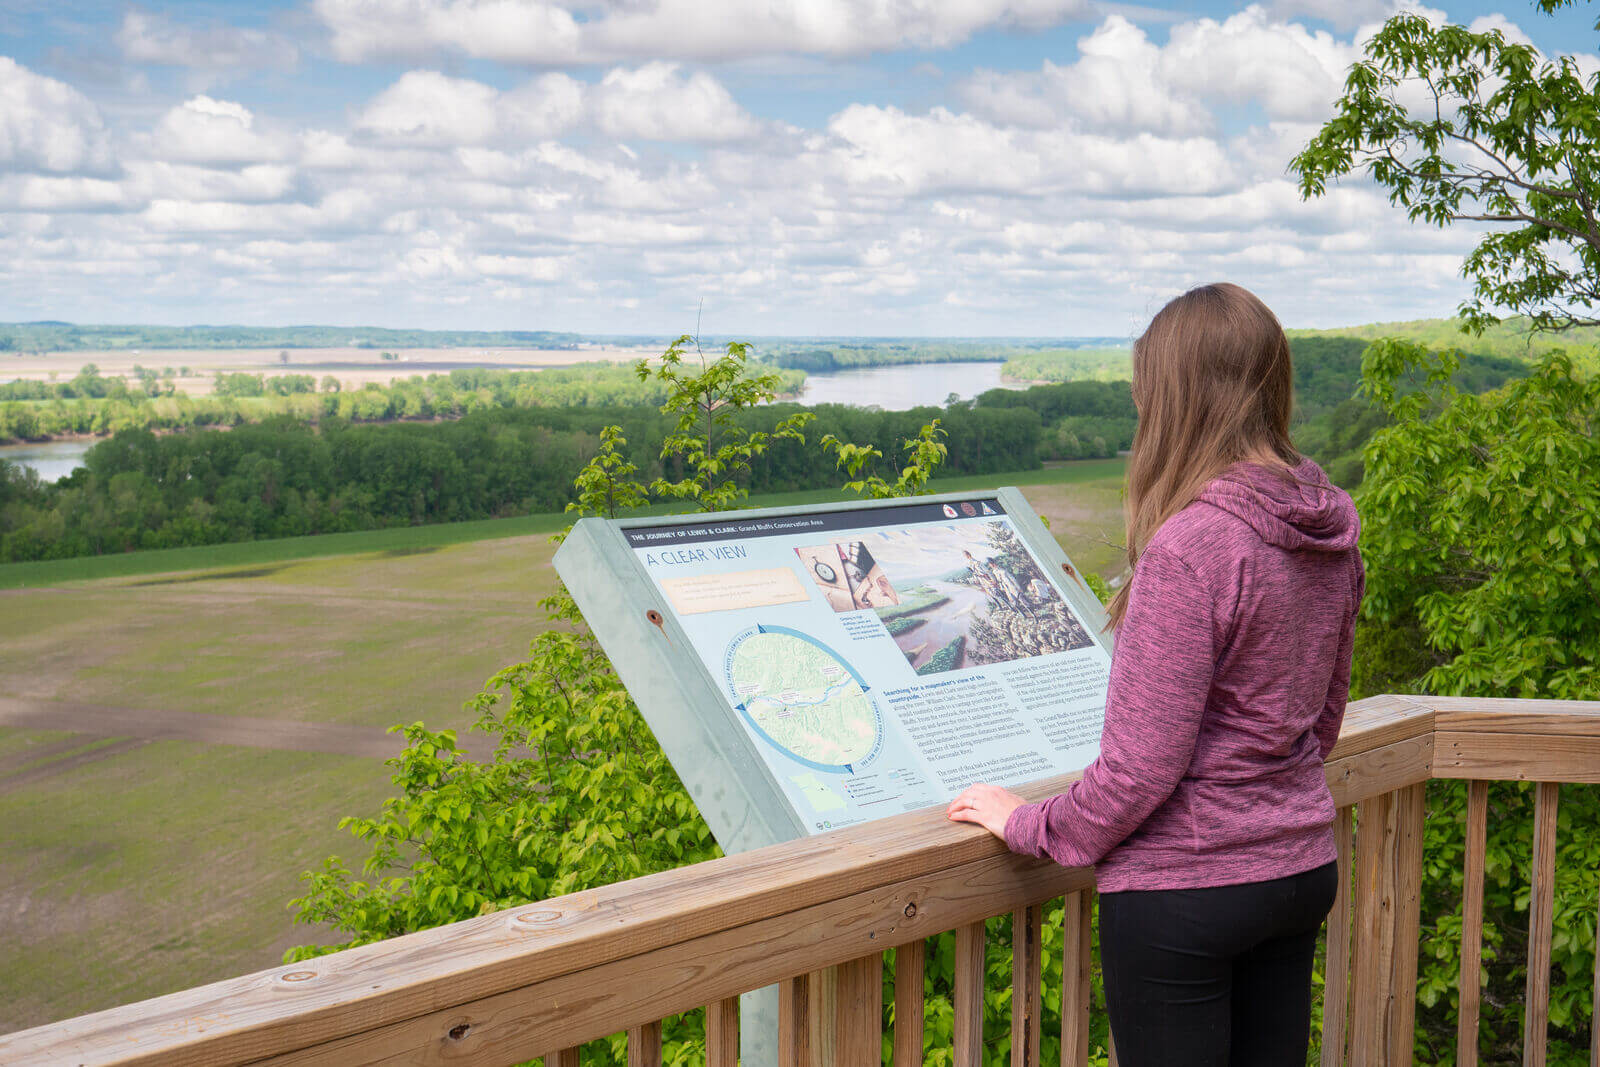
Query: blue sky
[954,167]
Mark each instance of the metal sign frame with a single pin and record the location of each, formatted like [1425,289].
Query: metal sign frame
[686,706]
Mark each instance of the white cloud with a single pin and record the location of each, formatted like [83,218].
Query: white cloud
[204,130]
[427,109]
[887,151]
[541,32]
[525,268]
[1120,82]
[46,126]
[50,193]
[657,102]
[1124,81]
[154,38]
[1289,71]
[258,183]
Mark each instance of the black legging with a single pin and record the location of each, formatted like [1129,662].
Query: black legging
[1214,977]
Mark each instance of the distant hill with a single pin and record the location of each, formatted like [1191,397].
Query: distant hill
[71,337]
[1510,338]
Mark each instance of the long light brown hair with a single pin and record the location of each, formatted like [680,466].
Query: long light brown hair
[1213,385]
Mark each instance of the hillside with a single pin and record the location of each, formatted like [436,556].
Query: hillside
[1510,339]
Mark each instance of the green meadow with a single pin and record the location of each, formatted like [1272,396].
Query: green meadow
[140,860]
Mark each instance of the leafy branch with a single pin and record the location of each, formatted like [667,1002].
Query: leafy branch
[1503,136]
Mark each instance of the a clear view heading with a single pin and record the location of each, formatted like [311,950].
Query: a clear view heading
[815,522]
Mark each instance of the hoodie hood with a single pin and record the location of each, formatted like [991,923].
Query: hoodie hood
[1301,512]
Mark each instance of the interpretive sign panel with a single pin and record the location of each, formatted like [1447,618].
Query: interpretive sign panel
[815,668]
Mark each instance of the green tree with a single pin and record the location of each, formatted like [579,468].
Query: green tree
[1479,511]
[924,454]
[1482,546]
[1505,136]
[708,438]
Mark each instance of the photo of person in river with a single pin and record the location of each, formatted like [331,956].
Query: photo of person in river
[970,594]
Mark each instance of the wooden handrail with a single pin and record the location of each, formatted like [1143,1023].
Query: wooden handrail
[542,978]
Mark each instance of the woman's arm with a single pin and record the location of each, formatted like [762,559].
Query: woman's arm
[1160,679]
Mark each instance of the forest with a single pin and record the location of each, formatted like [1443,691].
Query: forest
[286,477]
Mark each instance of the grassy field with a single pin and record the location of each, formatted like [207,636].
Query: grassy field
[135,866]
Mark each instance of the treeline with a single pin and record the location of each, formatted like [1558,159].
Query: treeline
[1077,420]
[822,356]
[93,404]
[52,336]
[1070,365]
[1087,419]
[284,477]
[1510,338]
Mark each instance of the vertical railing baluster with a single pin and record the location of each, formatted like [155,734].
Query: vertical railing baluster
[858,1022]
[969,995]
[794,1021]
[1594,1017]
[1336,977]
[1388,889]
[567,1057]
[1026,927]
[1541,915]
[910,965]
[644,1045]
[1470,982]
[1075,976]
[722,1033]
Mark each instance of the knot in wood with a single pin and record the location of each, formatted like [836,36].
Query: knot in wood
[459,1031]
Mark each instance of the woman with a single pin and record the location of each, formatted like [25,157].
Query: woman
[1207,815]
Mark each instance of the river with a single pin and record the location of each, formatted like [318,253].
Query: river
[903,385]
[52,459]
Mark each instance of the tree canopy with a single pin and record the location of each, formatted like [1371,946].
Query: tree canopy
[1464,126]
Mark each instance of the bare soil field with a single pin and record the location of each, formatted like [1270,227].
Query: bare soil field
[354,367]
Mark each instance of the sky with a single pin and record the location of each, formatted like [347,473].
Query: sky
[972,168]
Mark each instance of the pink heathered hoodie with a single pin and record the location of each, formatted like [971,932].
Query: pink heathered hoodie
[1228,686]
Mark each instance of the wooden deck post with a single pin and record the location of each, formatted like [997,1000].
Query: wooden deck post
[1336,968]
[1026,965]
[910,967]
[1075,979]
[722,1033]
[794,1022]
[1388,884]
[968,995]
[858,1022]
[1470,980]
[1541,920]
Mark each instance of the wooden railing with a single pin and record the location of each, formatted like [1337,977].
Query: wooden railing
[815,917]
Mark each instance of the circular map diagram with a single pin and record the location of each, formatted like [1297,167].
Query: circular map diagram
[801,698]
